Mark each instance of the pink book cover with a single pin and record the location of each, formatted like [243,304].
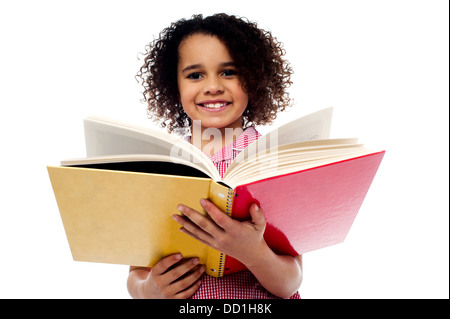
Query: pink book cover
[309,209]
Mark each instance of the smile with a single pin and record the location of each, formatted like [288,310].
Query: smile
[216,105]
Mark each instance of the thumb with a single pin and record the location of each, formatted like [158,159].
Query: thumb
[257,215]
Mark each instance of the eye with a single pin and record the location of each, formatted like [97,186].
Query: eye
[229,73]
[194,76]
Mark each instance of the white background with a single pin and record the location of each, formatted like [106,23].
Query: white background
[383,65]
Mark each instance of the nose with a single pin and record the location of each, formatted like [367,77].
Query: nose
[213,86]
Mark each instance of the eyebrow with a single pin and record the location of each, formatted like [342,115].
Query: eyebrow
[196,66]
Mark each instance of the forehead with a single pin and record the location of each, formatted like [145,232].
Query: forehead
[202,49]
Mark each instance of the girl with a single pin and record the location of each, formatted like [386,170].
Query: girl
[222,73]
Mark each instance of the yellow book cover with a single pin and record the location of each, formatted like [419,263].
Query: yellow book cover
[125,217]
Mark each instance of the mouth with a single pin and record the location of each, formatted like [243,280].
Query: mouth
[214,105]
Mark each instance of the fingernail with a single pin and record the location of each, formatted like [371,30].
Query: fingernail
[202,202]
[256,208]
[195,261]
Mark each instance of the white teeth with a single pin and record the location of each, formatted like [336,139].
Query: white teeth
[214,105]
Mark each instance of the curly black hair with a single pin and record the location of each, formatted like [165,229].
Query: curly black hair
[258,56]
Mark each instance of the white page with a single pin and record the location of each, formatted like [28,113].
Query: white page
[314,126]
[111,137]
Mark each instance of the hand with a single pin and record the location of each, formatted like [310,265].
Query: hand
[279,274]
[240,240]
[173,278]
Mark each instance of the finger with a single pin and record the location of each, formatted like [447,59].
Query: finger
[207,242]
[164,264]
[191,229]
[199,222]
[188,292]
[257,216]
[184,221]
[186,286]
[180,270]
[219,217]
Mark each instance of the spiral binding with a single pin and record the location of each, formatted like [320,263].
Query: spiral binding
[228,207]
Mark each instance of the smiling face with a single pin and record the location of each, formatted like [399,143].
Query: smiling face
[208,82]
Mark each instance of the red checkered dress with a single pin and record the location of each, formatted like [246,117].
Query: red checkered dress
[241,285]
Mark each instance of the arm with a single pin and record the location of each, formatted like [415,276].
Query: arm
[281,275]
[171,278]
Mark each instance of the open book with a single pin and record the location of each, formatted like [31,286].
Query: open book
[116,203]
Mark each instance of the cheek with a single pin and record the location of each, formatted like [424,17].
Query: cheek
[239,90]
[187,100]
[242,96]
[185,94]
